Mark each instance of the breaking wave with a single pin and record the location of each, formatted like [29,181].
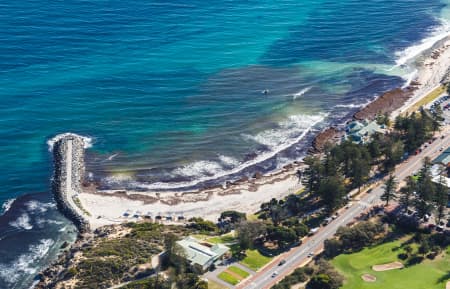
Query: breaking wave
[51,142]
[35,206]
[286,134]
[22,222]
[301,92]
[26,263]
[6,206]
[410,53]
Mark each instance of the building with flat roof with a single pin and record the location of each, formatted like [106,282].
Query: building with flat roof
[202,255]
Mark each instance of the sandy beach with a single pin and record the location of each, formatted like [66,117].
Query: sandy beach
[246,195]
[105,208]
[433,70]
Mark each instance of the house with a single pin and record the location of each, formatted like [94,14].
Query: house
[201,254]
[361,131]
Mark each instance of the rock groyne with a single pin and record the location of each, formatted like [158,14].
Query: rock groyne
[68,158]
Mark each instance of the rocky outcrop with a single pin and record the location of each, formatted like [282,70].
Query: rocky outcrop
[387,103]
[328,136]
[62,187]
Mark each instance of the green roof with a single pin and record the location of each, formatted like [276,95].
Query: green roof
[200,254]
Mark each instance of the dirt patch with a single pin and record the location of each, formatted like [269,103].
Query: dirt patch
[368,278]
[388,266]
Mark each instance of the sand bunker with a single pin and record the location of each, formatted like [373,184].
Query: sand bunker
[388,266]
[368,278]
[448,285]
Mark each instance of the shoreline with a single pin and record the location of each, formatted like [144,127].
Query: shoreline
[106,207]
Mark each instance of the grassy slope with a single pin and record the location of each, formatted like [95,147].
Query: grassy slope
[423,276]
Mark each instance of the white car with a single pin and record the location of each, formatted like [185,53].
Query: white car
[274,274]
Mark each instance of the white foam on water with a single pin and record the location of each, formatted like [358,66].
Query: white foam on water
[51,142]
[301,92]
[351,105]
[409,78]
[7,205]
[229,161]
[26,263]
[287,133]
[412,52]
[43,222]
[36,206]
[199,169]
[22,222]
[111,157]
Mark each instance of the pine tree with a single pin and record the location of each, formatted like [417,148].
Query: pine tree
[441,197]
[425,189]
[407,193]
[390,187]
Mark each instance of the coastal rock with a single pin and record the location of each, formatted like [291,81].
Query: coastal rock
[329,135]
[386,103]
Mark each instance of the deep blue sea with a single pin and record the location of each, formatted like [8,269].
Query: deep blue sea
[177,94]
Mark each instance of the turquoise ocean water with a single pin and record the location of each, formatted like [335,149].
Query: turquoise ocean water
[171,93]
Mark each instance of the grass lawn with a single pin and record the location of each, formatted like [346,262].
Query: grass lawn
[427,99]
[238,271]
[254,260]
[427,275]
[214,285]
[233,275]
[227,277]
[226,238]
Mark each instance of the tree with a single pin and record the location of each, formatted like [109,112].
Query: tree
[283,236]
[425,189]
[360,172]
[407,193]
[247,232]
[437,119]
[312,173]
[390,187]
[319,281]
[202,284]
[394,152]
[332,191]
[233,216]
[441,197]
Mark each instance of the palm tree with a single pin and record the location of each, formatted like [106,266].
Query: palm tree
[390,187]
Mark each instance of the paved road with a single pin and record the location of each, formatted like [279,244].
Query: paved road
[297,257]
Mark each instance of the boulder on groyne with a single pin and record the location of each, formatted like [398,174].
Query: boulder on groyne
[68,159]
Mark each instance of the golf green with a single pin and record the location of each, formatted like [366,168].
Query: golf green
[430,274]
